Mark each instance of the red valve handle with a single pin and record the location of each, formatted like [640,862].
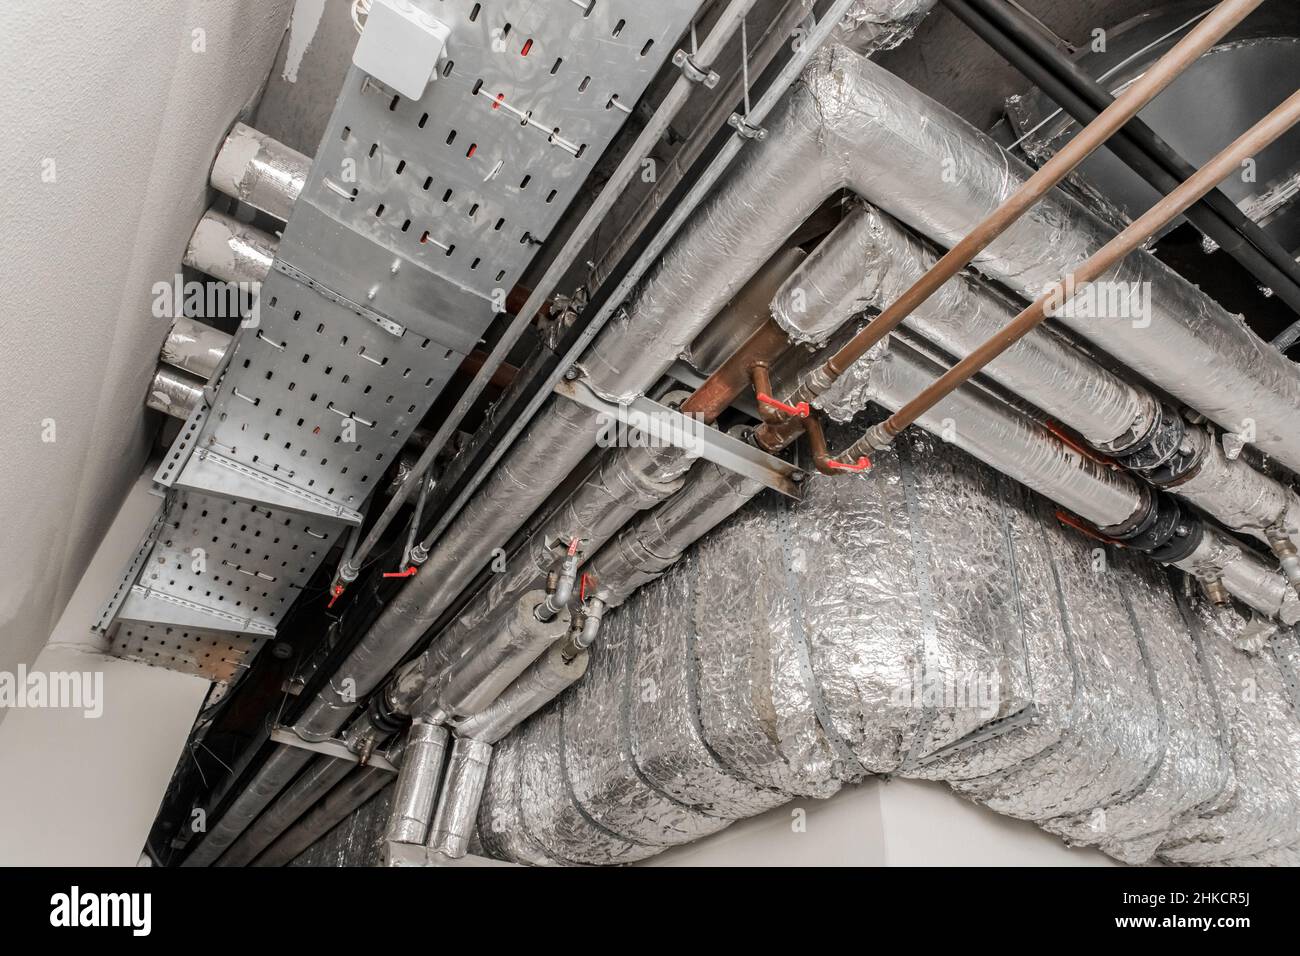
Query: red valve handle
[799,411]
[408,573]
[582,587]
[862,464]
[337,591]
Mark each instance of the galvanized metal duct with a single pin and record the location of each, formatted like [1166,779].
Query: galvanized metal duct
[260,171]
[793,649]
[229,250]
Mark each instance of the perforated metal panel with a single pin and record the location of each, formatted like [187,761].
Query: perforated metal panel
[416,220]
[216,657]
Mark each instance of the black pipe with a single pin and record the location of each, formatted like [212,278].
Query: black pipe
[1016,38]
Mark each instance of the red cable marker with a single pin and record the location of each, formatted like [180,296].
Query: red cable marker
[799,411]
[862,464]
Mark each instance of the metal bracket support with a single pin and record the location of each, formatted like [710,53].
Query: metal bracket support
[686,63]
[330,748]
[670,427]
[745,129]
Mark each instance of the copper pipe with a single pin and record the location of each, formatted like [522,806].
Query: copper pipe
[1127,105]
[1157,217]
[732,378]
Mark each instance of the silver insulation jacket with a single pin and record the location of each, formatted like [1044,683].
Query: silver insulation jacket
[480,676]
[797,646]
[283,764]
[869,261]
[229,250]
[454,820]
[997,435]
[873,25]
[417,783]
[173,392]
[544,679]
[853,124]
[194,346]
[338,804]
[652,543]
[1244,575]
[260,171]
[321,776]
[1017,446]
[1236,493]
[732,234]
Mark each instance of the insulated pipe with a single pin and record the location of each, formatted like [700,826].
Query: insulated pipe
[260,171]
[194,346]
[1006,440]
[229,250]
[279,768]
[321,776]
[453,823]
[478,678]
[1059,296]
[549,675]
[1127,105]
[868,260]
[855,125]
[173,392]
[417,783]
[556,441]
[339,804]
[1013,34]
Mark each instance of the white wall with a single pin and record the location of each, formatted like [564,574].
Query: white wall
[79,790]
[882,823]
[112,115]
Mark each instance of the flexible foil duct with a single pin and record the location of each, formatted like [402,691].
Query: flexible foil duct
[1107,726]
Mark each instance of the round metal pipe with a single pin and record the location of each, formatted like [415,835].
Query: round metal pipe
[229,250]
[417,783]
[174,392]
[453,822]
[260,171]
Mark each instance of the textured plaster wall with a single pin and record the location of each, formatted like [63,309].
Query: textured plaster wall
[113,113]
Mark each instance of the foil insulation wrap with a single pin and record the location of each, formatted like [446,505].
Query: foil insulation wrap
[229,250]
[869,261]
[195,347]
[260,171]
[854,125]
[174,392]
[802,646]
